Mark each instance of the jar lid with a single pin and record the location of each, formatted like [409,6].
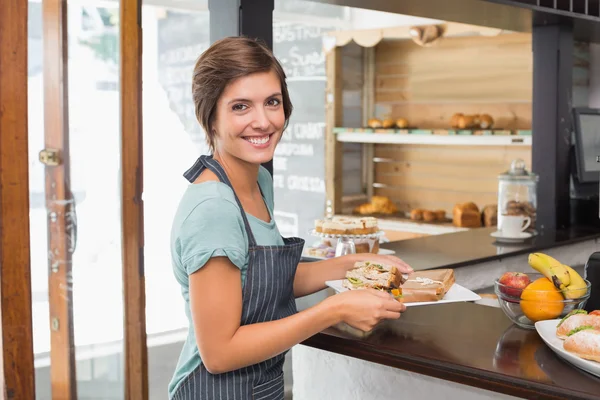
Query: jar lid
[518,171]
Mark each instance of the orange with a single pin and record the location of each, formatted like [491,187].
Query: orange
[541,300]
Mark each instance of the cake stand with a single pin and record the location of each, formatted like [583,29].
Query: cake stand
[346,242]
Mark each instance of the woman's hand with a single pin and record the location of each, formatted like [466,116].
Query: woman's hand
[365,308]
[384,259]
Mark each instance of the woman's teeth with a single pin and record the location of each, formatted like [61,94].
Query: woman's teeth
[255,140]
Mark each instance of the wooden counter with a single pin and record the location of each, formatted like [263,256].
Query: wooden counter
[470,344]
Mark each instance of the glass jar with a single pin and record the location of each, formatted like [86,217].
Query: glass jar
[517,193]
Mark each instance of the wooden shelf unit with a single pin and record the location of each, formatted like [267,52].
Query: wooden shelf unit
[426,85]
[439,140]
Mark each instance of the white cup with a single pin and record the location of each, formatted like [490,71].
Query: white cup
[512,225]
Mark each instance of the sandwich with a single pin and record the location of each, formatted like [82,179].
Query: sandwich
[378,276]
[430,285]
[576,321]
[584,343]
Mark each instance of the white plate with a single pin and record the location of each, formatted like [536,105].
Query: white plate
[521,236]
[381,251]
[456,294]
[547,331]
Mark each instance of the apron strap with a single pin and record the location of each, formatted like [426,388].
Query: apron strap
[208,162]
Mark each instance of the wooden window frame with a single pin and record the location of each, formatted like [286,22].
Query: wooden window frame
[17,376]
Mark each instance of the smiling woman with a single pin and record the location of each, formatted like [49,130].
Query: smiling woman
[239,276]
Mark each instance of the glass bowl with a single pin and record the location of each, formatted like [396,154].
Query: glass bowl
[542,306]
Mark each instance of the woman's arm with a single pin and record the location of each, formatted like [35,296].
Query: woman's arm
[224,345]
[311,276]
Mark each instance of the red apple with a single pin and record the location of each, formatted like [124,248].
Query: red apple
[514,283]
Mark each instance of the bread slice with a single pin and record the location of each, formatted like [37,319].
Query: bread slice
[373,275]
[430,285]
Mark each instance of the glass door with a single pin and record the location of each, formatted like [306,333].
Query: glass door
[75,197]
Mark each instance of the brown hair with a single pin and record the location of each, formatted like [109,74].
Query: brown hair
[223,62]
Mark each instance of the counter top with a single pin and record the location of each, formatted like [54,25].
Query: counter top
[457,249]
[467,343]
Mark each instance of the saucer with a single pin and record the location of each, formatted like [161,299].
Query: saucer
[521,236]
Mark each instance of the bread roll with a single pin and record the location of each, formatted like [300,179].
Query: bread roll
[374,123]
[466,122]
[454,120]
[486,121]
[429,216]
[388,123]
[440,215]
[416,214]
[402,123]
[577,321]
[584,344]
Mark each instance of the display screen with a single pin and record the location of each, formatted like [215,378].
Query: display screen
[590,141]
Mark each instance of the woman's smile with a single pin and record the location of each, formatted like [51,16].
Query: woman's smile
[259,141]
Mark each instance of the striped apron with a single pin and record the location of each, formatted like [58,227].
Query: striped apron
[267,295]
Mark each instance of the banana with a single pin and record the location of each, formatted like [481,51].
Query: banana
[578,286]
[551,268]
[564,278]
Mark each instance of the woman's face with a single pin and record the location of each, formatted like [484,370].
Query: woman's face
[249,119]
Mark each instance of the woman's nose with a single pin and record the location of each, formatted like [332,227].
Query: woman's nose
[261,120]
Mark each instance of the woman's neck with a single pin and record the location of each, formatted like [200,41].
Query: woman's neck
[243,175]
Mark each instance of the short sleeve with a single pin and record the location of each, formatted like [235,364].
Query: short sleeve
[213,228]
[265,180]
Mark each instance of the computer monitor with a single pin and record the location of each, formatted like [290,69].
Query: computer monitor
[586,122]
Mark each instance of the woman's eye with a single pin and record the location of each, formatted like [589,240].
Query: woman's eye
[273,102]
[239,107]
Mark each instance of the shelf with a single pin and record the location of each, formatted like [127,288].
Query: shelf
[442,140]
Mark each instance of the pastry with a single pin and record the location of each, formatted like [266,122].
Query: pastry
[416,214]
[486,121]
[466,122]
[378,205]
[454,120]
[576,321]
[466,215]
[388,123]
[429,216]
[584,343]
[402,123]
[366,208]
[440,215]
[374,123]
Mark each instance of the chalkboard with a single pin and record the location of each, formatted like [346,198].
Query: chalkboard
[299,163]
[182,37]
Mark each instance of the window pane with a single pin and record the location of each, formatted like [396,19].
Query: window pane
[95,157]
[173,38]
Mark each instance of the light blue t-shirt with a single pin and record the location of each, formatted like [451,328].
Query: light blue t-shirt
[208,223]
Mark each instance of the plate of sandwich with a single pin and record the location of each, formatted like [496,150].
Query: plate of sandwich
[419,288]
[575,339]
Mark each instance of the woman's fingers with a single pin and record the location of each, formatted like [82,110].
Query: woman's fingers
[391,315]
[401,265]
